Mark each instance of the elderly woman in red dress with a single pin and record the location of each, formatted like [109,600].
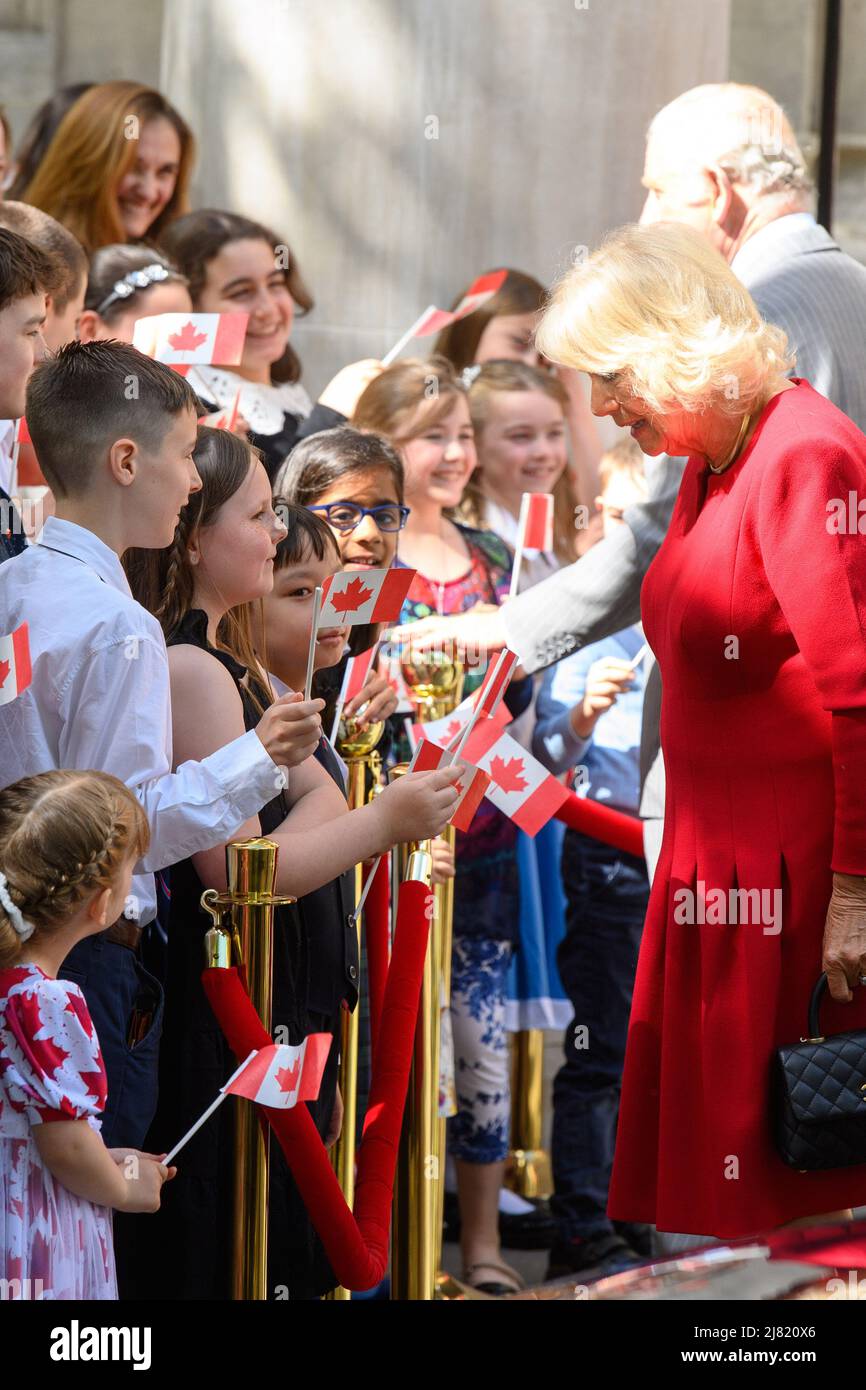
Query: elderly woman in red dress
[755,608]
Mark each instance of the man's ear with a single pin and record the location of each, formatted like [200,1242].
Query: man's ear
[722,193]
[98,909]
[123,459]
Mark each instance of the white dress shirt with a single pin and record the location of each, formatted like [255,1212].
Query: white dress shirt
[100,698]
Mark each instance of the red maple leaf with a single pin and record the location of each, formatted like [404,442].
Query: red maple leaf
[453,728]
[507,775]
[458,787]
[4,671]
[187,339]
[287,1077]
[96,1084]
[353,597]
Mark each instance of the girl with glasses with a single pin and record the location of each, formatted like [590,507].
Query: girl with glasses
[354,482]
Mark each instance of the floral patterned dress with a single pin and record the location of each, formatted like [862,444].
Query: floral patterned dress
[57,1245]
[487,901]
[487,891]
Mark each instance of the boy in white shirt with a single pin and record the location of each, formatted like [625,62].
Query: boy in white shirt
[114,433]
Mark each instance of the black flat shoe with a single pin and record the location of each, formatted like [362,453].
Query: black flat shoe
[605,1253]
[638,1236]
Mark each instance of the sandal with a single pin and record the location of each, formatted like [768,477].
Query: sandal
[493,1286]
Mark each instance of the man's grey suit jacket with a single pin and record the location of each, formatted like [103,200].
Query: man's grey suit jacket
[801,280]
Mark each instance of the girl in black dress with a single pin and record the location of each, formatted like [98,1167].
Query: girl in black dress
[234,264]
[201,589]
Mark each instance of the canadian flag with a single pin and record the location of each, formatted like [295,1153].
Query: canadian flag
[446,729]
[280,1076]
[222,419]
[433,320]
[187,339]
[22,433]
[471,787]
[355,675]
[535,526]
[488,696]
[14,664]
[521,788]
[371,596]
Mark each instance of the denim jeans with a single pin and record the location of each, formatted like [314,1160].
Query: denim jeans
[114,984]
[606,895]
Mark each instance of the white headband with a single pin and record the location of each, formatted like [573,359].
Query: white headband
[24,929]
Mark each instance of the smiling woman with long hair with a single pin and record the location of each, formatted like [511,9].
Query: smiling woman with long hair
[117,168]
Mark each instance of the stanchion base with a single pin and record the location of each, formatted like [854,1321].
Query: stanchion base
[529,1173]
[450,1290]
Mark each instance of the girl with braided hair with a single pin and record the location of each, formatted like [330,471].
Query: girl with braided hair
[68,844]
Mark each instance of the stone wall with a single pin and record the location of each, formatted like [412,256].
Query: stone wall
[401,147]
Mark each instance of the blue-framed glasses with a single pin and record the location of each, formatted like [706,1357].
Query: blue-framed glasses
[345,516]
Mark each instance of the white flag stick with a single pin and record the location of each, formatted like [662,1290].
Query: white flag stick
[317,613]
[476,713]
[407,337]
[207,1114]
[639,656]
[518,554]
[365,890]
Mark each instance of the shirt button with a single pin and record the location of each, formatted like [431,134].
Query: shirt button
[352,972]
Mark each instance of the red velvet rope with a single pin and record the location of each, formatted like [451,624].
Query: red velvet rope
[376,938]
[356,1244]
[603,823]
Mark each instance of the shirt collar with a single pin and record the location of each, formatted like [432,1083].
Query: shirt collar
[71,539]
[761,243]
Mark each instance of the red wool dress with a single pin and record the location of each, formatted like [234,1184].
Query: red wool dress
[755,607]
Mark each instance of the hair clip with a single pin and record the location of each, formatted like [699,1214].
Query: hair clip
[468,375]
[132,281]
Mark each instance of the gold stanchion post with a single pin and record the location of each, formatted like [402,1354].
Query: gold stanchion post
[529,1172]
[251,867]
[434,680]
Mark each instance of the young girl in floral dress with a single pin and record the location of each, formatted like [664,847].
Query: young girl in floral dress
[69,843]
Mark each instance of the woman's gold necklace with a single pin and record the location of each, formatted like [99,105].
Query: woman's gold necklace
[738,444]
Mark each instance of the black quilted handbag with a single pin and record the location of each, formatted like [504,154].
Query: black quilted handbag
[819,1097]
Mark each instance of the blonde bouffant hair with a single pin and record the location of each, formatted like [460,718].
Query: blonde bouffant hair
[64,836]
[659,308]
